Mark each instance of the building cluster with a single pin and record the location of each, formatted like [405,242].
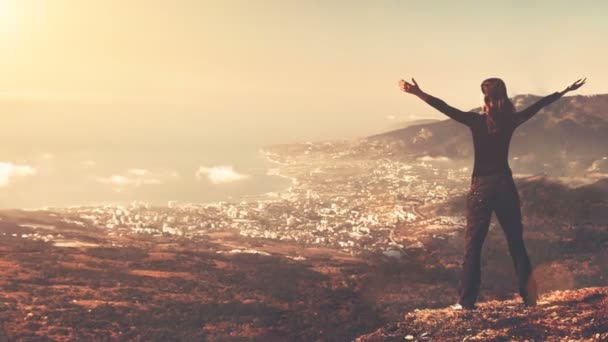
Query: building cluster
[337,199]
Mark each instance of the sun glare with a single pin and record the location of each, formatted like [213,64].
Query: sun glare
[8,16]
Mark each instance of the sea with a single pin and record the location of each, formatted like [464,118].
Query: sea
[61,157]
[65,176]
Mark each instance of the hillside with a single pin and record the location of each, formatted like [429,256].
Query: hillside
[574,315]
[409,123]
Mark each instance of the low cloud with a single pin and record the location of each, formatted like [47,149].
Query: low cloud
[434,159]
[137,177]
[124,180]
[9,171]
[219,174]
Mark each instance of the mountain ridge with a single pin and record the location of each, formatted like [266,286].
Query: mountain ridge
[563,136]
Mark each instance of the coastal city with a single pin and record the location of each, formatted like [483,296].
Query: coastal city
[345,195]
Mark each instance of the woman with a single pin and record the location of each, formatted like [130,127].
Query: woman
[492,187]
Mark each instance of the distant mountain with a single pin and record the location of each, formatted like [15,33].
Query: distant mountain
[565,137]
[409,123]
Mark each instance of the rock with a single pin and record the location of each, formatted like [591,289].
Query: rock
[573,313]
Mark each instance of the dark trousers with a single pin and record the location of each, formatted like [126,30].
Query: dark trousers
[494,193]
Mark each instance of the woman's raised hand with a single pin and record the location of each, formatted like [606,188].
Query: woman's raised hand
[576,84]
[410,88]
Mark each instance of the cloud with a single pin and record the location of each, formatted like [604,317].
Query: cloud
[124,180]
[137,177]
[438,158]
[219,174]
[9,170]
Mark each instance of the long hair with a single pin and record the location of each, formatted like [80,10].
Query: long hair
[497,105]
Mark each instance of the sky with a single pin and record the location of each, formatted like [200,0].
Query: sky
[107,100]
[291,69]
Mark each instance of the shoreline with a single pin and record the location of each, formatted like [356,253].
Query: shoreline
[276,172]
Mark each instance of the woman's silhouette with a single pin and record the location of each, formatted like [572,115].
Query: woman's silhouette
[492,187]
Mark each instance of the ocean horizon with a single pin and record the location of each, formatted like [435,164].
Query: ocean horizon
[68,177]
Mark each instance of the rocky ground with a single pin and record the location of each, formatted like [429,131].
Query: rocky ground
[574,315]
[167,289]
[85,284]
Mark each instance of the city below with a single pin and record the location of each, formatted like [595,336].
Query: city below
[337,199]
[363,234]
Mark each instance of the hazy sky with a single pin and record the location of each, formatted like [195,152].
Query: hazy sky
[321,66]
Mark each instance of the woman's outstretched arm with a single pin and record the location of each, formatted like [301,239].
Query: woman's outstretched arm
[526,114]
[456,114]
